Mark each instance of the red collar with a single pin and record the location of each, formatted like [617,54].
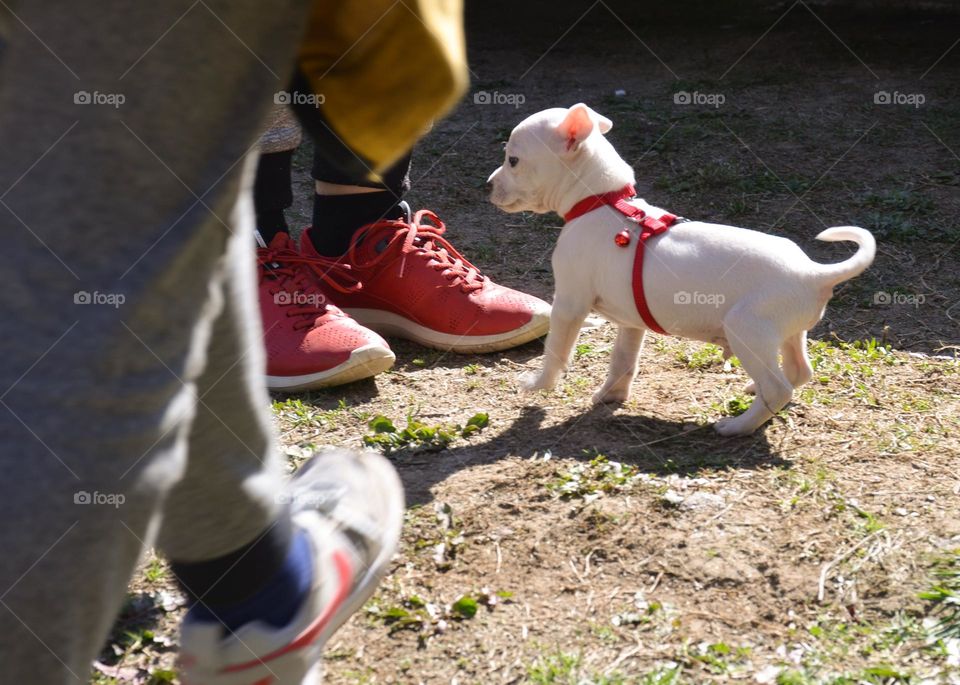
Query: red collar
[615,199]
[618,200]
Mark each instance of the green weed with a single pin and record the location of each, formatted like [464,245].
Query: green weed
[418,436]
[599,475]
[945,595]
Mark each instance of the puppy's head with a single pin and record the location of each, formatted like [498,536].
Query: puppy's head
[546,153]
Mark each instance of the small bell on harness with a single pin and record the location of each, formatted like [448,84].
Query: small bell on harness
[622,239]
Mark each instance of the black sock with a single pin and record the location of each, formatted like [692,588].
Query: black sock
[232,578]
[337,217]
[272,193]
[275,604]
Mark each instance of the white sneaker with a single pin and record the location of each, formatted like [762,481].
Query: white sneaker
[351,506]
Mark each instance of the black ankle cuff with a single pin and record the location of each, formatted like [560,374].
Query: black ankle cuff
[337,217]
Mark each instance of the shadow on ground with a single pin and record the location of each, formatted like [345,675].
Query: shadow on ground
[655,446]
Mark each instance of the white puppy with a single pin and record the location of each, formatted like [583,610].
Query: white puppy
[754,294]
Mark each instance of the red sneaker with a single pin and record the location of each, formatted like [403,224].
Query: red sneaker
[416,285]
[311,343]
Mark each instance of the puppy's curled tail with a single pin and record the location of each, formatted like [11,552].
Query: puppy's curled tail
[857,264]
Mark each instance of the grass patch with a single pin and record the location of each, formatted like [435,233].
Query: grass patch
[719,658]
[857,359]
[155,571]
[585,351]
[418,436]
[565,669]
[429,618]
[732,179]
[590,479]
[901,216]
[296,413]
[703,356]
[945,595]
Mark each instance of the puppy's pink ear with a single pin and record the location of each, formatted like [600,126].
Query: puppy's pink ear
[603,123]
[576,126]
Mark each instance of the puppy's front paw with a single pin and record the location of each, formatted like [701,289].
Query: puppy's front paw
[730,426]
[535,380]
[611,395]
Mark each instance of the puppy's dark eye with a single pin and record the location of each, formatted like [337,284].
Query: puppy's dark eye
[513,161]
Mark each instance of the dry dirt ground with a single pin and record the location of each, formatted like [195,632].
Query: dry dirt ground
[570,544]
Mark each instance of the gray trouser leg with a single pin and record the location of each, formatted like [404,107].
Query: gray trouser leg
[125,298]
[228,494]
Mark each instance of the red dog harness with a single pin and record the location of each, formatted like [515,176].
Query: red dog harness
[649,226]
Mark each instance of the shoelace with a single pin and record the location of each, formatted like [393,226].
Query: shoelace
[424,239]
[286,266]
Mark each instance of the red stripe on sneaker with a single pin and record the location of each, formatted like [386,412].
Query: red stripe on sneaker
[345,574]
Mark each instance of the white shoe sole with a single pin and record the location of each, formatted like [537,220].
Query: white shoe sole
[364,362]
[388,323]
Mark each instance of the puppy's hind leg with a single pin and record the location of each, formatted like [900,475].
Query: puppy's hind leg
[623,366]
[796,363]
[756,342]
